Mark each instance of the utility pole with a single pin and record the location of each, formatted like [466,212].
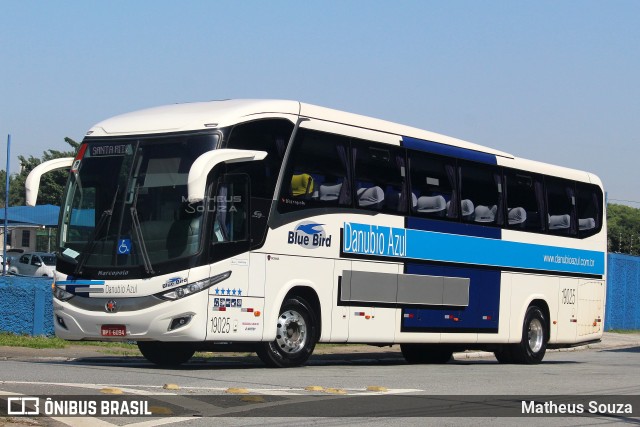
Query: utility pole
[6,207]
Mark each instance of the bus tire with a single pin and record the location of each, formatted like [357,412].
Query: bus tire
[426,353]
[533,346]
[167,354]
[504,354]
[296,336]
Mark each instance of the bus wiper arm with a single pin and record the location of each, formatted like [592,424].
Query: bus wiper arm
[138,232]
[88,248]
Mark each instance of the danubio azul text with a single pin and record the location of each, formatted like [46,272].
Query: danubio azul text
[365,239]
[380,241]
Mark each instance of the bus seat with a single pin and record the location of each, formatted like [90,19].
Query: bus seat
[432,204]
[301,185]
[559,222]
[372,197]
[483,213]
[183,237]
[414,201]
[392,198]
[586,223]
[330,192]
[517,216]
[155,234]
[467,209]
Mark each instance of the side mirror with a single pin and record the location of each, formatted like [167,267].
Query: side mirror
[204,164]
[32,183]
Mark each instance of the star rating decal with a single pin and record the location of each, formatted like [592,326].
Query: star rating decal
[228,291]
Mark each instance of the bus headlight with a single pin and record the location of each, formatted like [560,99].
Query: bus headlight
[192,288]
[61,294]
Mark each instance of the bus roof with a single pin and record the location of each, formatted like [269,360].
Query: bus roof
[203,115]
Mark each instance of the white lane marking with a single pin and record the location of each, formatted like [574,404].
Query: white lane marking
[126,389]
[139,389]
[152,423]
[83,422]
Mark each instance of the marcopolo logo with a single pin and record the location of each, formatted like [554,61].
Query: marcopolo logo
[309,235]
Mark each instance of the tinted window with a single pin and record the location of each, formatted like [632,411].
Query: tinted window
[433,186]
[317,175]
[525,201]
[560,206]
[271,136]
[481,194]
[588,207]
[379,177]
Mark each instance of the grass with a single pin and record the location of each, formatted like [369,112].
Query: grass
[12,340]
[624,331]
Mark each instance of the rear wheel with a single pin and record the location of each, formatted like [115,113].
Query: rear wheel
[426,353]
[296,336]
[166,353]
[533,345]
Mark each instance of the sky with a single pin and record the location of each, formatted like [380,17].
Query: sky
[553,81]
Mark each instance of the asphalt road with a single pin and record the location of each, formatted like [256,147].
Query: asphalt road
[355,382]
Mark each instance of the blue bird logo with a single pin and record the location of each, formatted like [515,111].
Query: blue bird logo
[310,228]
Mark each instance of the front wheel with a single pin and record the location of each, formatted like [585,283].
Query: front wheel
[167,354]
[296,336]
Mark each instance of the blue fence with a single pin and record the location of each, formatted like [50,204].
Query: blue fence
[26,306]
[623,292]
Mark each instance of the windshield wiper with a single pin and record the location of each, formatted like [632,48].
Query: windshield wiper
[88,248]
[135,222]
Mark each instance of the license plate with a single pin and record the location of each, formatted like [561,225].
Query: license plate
[113,330]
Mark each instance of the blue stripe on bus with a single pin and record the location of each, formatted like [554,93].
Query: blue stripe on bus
[448,150]
[405,243]
[454,227]
[481,315]
[80,282]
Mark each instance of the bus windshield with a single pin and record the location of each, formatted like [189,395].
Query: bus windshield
[126,202]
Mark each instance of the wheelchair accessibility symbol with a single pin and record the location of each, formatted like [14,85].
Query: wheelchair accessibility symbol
[124,246]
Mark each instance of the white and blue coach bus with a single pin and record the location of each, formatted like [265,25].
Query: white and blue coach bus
[274,225]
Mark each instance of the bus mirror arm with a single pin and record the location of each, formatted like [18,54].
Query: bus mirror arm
[32,183]
[197,181]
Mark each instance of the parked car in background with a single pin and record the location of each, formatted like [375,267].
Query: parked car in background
[34,264]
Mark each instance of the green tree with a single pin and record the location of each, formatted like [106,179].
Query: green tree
[51,184]
[623,226]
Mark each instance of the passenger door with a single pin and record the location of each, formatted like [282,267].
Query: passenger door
[24,265]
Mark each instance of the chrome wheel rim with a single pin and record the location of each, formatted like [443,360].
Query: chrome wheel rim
[291,334]
[536,335]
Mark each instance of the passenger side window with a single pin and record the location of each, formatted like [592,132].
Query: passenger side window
[433,186]
[271,136]
[318,173]
[561,206]
[525,201]
[589,201]
[379,177]
[481,194]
